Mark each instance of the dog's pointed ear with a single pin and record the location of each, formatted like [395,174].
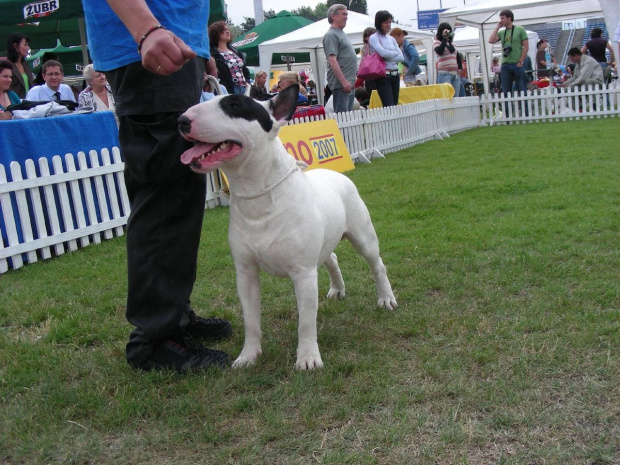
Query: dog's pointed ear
[284,104]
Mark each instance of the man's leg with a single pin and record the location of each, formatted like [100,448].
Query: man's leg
[167,203]
[343,101]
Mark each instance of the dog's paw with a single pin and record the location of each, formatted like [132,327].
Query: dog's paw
[336,294]
[388,302]
[308,364]
[244,360]
[308,359]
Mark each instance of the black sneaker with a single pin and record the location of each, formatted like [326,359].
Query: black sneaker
[184,356]
[209,328]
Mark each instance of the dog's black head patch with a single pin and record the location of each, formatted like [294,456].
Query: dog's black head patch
[240,106]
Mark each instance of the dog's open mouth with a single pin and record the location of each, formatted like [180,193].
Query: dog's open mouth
[204,155]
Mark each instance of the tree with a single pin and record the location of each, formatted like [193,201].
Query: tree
[358,6]
[247,24]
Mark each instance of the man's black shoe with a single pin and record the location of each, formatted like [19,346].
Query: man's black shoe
[184,356]
[209,328]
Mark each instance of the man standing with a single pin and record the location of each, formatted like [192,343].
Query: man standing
[341,59]
[154,58]
[587,70]
[514,49]
[53,89]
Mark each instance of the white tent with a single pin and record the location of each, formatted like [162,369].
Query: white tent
[309,39]
[484,15]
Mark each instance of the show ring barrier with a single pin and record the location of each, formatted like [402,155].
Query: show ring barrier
[82,200]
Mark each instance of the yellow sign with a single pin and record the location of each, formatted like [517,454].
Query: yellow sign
[318,144]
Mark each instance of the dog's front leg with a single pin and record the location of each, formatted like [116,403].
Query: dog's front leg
[248,289]
[307,293]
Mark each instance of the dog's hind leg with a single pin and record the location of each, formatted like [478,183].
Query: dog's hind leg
[363,237]
[248,289]
[336,283]
[307,293]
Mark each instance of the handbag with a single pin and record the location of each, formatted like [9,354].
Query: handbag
[372,67]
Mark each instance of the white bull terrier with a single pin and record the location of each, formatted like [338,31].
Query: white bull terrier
[283,220]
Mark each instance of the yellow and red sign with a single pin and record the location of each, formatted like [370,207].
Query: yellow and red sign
[318,144]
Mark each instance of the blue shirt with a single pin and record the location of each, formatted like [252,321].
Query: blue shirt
[112,46]
[43,93]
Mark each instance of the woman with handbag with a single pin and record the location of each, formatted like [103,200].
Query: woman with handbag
[383,44]
[368,84]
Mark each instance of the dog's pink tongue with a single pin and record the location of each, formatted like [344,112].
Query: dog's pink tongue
[196,152]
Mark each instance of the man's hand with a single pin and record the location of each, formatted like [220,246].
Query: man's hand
[347,87]
[164,53]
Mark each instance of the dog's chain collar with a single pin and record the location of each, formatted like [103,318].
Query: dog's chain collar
[294,167]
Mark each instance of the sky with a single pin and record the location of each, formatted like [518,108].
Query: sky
[404,11]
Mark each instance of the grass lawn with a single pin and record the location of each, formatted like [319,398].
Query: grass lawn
[502,246]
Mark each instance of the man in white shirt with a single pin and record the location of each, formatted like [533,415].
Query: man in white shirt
[53,89]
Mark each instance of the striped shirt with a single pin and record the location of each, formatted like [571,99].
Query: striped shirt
[447,61]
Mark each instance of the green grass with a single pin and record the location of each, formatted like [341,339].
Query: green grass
[502,245]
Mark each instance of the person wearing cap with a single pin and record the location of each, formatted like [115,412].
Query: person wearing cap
[97,94]
[410,53]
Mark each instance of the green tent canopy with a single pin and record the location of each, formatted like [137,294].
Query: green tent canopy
[280,24]
[69,57]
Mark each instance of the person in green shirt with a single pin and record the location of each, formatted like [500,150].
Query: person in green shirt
[514,50]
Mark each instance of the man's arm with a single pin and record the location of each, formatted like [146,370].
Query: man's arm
[162,51]
[335,66]
[526,46]
[494,38]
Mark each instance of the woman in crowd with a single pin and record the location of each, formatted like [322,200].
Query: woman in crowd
[231,69]
[97,93]
[7,96]
[410,54]
[445,57]
[288,79]
[17,49]
[384,44]
[259,91]
[365,51]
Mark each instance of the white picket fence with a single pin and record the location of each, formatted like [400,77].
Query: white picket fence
[551,104]
[44,213]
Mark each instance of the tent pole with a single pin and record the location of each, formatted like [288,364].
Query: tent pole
[83,40]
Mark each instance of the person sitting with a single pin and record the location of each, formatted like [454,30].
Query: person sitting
[587,70]
[47,56]
[259,91]
[53,89]
[363,97]
[7,96]
[97,94]
[211,87]
[287,79]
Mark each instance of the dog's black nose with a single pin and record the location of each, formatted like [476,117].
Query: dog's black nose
[185,124]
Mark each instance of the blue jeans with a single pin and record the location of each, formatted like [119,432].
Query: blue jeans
[343,101]
[239,90]
[510,73]
[454,79]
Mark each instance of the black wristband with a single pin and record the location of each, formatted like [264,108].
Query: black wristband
[146,34]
